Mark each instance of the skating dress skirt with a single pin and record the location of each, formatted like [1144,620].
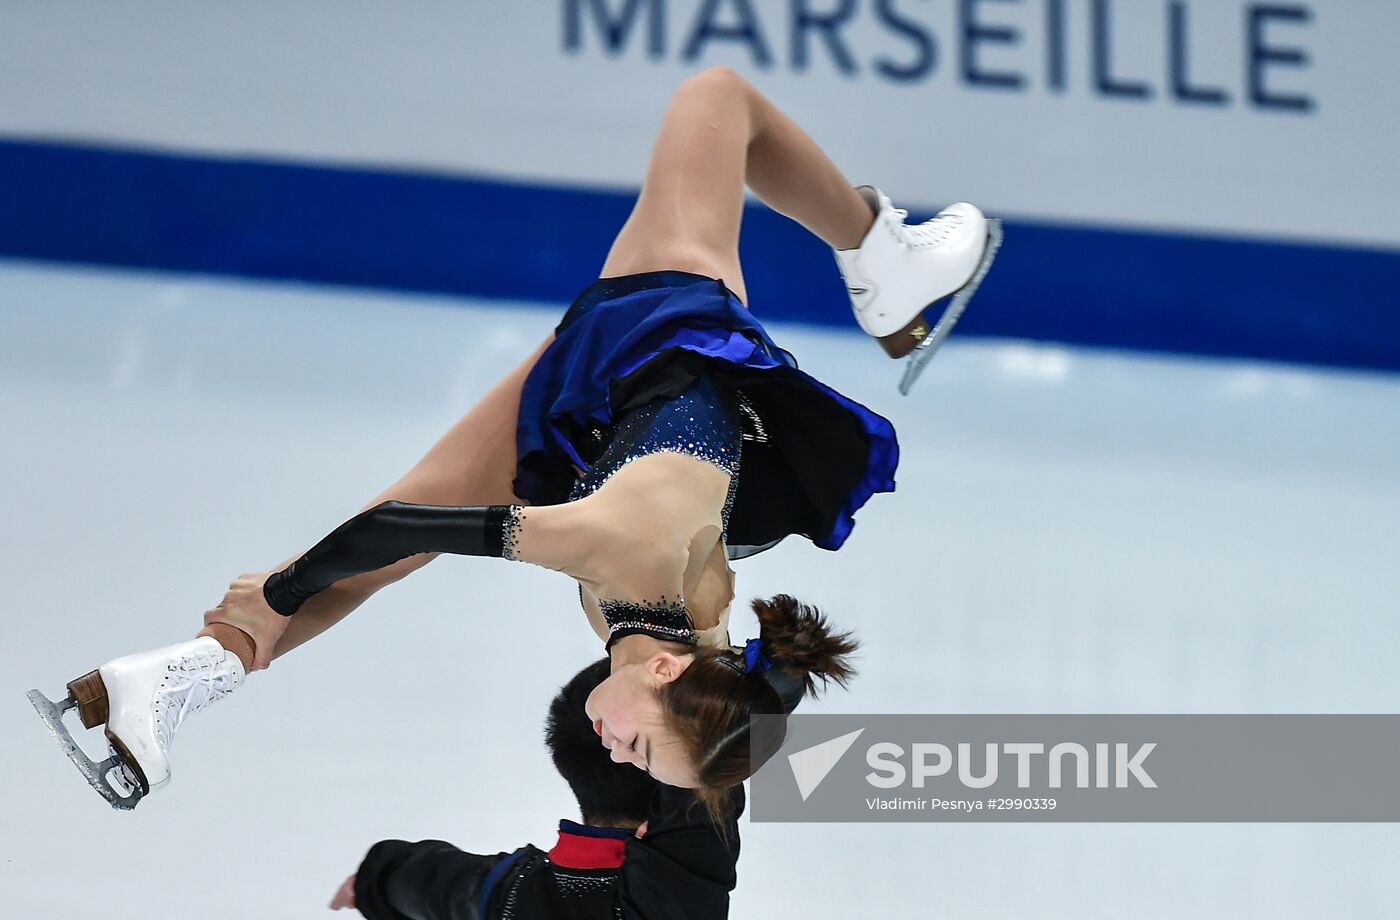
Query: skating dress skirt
[810,456]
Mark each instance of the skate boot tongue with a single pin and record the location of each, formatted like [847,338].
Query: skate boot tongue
[935,231]
[189,686]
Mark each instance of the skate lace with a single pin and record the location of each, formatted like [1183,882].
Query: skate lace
[188,687]
[930,232]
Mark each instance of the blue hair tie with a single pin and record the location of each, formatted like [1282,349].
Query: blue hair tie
[754,657]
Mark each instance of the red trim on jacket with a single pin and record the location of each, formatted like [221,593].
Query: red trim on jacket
[577,851]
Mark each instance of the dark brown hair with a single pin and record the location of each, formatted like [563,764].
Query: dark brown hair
[609,794]
[711,704]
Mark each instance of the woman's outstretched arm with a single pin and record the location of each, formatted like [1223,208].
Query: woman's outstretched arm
[561,537]
[263,605]
[385,534]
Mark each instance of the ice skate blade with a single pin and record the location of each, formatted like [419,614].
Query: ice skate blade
[923,352]
[95,773]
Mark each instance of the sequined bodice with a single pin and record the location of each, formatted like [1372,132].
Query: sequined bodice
[702,422]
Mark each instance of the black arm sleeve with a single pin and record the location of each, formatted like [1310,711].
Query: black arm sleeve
[684,868]
[383,535]
[428,880]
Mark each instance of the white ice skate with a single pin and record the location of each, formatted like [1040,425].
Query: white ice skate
[900,272]
[142,699]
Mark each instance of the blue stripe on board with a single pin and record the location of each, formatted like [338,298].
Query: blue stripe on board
[494,238]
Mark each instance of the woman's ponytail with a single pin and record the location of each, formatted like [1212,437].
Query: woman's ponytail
[798,639]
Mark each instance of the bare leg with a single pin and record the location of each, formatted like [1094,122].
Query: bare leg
[472,464]
[718,134]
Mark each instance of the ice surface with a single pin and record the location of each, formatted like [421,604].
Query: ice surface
[1074,531]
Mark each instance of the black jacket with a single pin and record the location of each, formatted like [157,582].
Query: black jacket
[683,869]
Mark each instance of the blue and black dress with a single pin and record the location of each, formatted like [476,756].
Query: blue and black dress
[641,364]
[672,360]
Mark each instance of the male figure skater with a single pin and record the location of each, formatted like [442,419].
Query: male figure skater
[644,850]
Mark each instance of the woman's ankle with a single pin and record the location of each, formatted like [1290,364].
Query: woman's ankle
[233,640]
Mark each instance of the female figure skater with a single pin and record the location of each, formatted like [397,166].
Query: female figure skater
[657,434]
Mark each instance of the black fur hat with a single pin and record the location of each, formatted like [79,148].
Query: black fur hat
[607,792]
